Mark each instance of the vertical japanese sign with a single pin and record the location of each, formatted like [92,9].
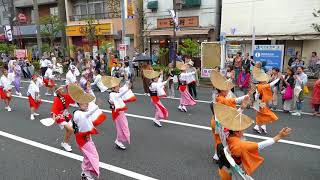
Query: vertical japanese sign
[122,51]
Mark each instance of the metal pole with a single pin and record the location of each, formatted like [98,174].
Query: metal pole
[123,19]
[174,35]
[36,16]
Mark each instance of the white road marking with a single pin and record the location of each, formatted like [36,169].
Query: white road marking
[200,101]
[75,156]
[199,127]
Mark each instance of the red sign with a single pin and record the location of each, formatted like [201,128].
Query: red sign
[20,53]
[192,21]
[22,18]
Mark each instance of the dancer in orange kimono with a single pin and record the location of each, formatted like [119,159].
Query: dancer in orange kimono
[240,158]
[223,86]
[263,97]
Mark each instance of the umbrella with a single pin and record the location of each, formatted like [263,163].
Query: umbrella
[142,57]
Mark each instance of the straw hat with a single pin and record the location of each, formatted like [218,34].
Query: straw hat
[78,95]
[110,82]
[151,74]
[255,71]
[231,118]
[179,64]
[220,82]
[261,77]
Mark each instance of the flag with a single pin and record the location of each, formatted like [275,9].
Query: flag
[175,19]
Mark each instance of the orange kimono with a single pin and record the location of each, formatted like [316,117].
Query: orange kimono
[248,153]
[226,101]
[265,115]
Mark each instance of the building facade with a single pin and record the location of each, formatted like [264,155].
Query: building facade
[286,22]
[105,17]
[4,18]
[198,20]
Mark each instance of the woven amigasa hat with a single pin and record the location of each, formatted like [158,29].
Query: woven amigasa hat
[220,82]
[110,82]
[151,74]
[78,94]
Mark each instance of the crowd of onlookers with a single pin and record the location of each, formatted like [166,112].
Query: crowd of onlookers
[292,87]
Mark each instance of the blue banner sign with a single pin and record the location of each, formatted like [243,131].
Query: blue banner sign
[271,56]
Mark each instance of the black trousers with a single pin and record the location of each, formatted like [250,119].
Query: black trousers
[43,71]
[192,87]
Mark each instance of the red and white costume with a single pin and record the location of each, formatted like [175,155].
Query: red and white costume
[60,108]
[34,95]
[156,92]
[5,88]
[86,122]
[117,102]
[186,99]
[48,78]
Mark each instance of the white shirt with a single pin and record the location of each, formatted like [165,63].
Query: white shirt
[33,89]
[5,83]
[49,74]
[70,78]
[187,76]
[303,80]
[98,82]
[158,86]
[191,75]
[44,62]
[84,119]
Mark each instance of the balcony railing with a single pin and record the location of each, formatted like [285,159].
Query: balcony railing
[97,16]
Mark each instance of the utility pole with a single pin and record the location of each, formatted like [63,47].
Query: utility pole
[36,16]
[62,16]
[123,19]
[174,35]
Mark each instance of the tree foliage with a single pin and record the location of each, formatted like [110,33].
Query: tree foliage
[7,48]
[190,48]
[51,28]
[316,26]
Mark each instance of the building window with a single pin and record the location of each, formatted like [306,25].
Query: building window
[95,9]
[54,11]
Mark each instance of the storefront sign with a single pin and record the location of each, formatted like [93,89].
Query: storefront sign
[20,53]
[205,73]
[122,51]
[183,22]
[101,29]
[272,55]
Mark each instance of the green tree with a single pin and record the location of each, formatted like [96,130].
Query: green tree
[51,28]
[7,48]
[316,26]
[90,31]
[190,48]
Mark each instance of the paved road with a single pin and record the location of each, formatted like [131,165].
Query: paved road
[178,150]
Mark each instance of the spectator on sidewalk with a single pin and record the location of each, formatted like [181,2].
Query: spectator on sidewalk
[237,64]
[287,90]
[314,60]
[315,100]
[230,74]
[246,62]
[301,80]
[274,76]
[244,80]
[297,63]
[293,58]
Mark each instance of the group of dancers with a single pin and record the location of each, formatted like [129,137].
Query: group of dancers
[227,122]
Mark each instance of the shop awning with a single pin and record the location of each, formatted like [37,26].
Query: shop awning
[179,33]
[274,37]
